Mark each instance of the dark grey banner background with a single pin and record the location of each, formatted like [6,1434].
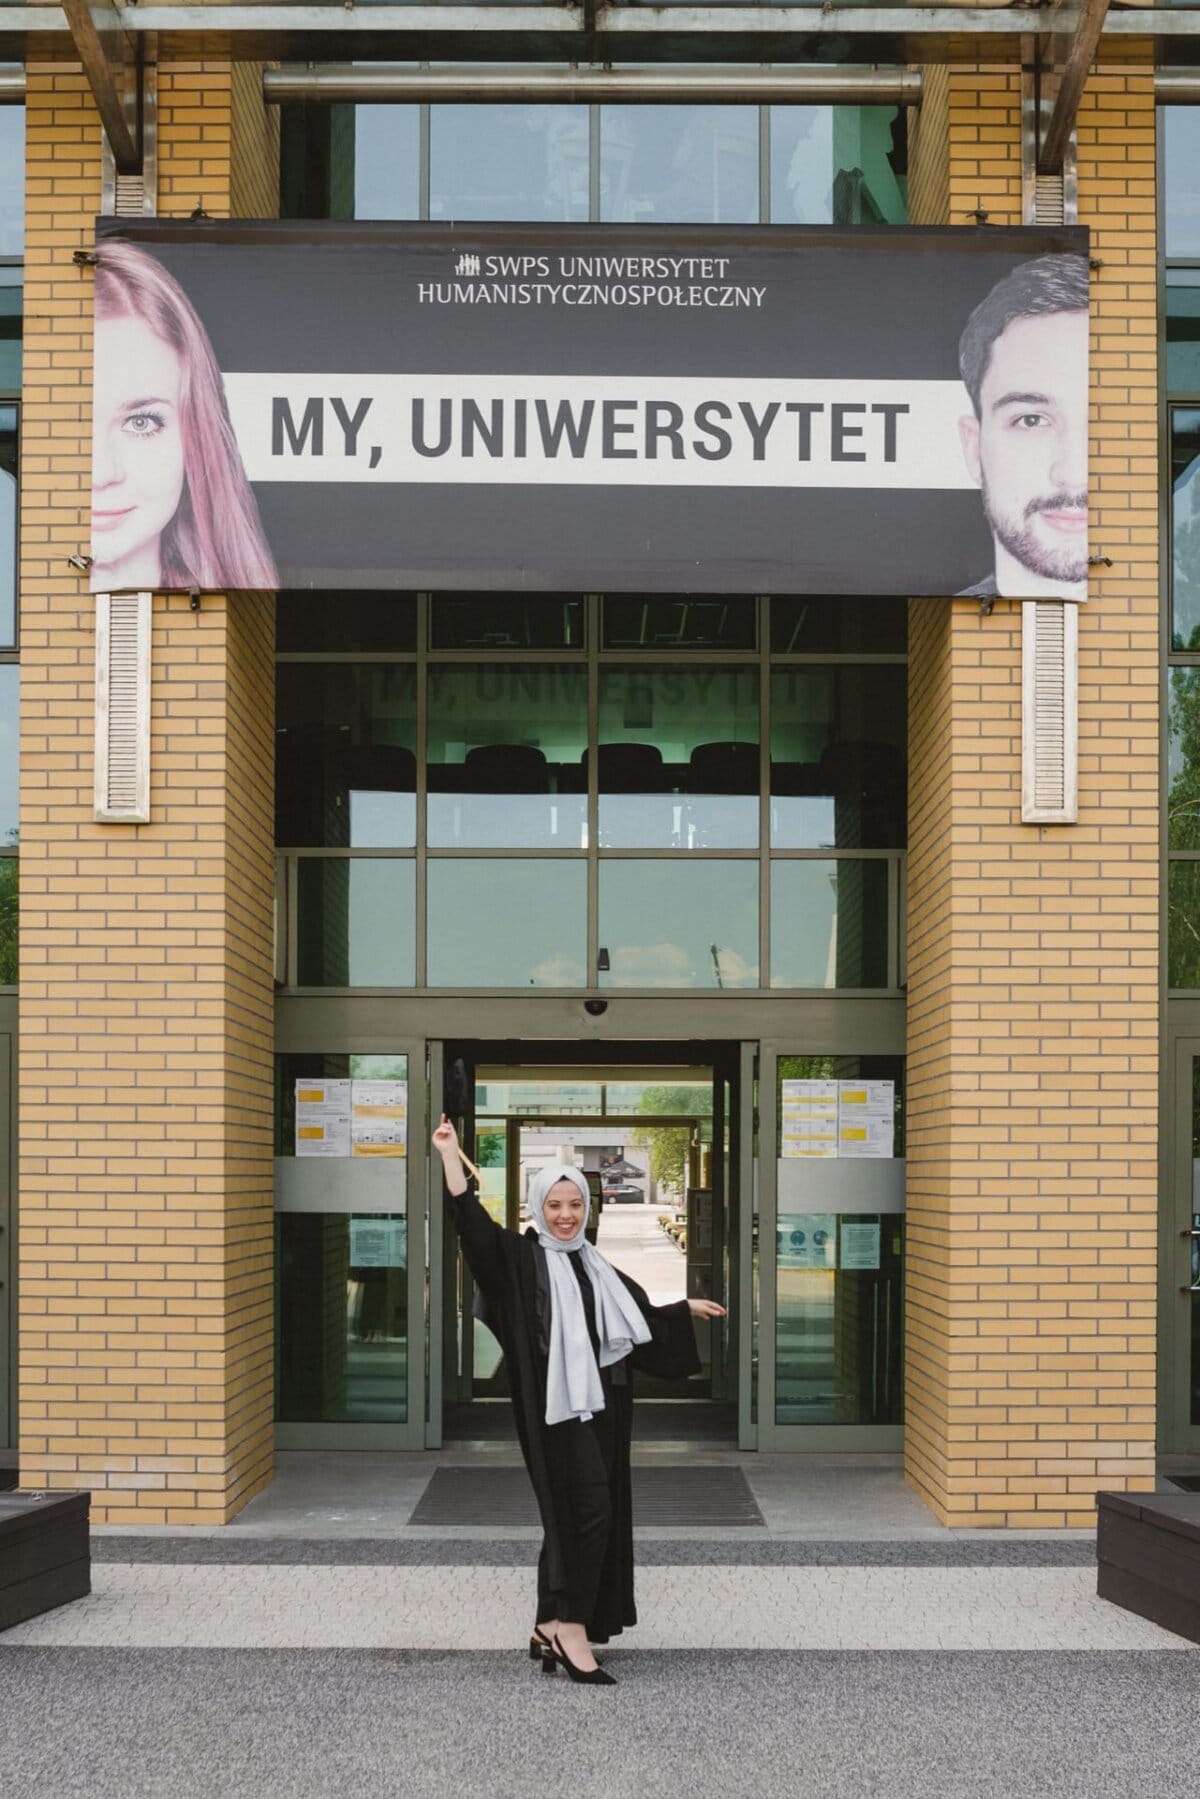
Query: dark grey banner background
[883,302]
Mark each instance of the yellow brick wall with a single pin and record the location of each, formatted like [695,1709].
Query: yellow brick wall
[1033,951]
[146,999]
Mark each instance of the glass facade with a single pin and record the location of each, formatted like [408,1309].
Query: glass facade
[652,164]
[562,789]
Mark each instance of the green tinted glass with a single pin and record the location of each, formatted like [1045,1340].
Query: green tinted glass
[346,764]
[838,756]
[497,922]
[356,921]
[678,924]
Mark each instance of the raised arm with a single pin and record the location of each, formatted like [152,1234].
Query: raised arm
[479,1235]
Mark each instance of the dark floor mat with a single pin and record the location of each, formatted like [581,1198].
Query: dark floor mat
[699,1496]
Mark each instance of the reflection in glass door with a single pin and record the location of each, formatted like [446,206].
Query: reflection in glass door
[1180,1331]
[345,1296]
[836,1228]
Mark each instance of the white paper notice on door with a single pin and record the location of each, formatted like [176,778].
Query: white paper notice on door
[378,1118]
[322,1118]
[866,1119]
[808,1119]
[859,1245]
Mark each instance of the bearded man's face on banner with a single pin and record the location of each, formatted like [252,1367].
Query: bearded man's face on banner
[1027,450]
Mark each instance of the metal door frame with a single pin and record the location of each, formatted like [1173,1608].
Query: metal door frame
[411,1433]
[740,1126]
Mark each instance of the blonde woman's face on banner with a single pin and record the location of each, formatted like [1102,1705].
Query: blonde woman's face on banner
[137,451]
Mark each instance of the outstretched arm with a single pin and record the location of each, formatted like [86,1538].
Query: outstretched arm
[671,1353]
[479,1235]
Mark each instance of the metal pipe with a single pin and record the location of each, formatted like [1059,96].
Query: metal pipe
[364,83]
[1177,87]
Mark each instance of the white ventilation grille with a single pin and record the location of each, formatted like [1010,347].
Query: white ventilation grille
[1049,200]
[129,196]
[123,708]
[1049,712]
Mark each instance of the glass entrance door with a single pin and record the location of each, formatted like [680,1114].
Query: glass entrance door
[1180,1265]
[661,1149]
[831,1144]
[349,1202]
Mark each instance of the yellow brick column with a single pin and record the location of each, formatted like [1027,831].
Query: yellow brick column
[1033,950]
[146,1306]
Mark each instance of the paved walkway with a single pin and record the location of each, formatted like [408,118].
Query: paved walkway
[314,1652]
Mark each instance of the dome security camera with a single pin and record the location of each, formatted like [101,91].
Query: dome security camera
[595,1008]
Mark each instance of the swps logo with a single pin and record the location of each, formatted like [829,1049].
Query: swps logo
[468,264]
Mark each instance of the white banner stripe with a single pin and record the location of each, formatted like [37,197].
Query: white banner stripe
[600,431]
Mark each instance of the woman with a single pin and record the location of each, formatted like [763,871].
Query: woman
[171,506]
[573,1329]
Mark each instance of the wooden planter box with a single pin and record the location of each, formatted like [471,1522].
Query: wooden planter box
[45,1559]
[1148,1552]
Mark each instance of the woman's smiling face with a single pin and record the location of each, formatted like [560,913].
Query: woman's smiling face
[563,1210]
[137,448]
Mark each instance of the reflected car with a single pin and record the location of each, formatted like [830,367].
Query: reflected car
[623,1192]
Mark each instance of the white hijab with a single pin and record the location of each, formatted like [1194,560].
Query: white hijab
[573,1385]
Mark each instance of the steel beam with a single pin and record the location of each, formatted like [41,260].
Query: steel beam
[1081,54]
[361,83]
[99,44]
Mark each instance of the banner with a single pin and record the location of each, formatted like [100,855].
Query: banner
[803,410]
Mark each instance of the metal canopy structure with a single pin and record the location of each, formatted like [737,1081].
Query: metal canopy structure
[596,31]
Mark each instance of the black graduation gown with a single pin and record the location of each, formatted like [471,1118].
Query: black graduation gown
[511,1274]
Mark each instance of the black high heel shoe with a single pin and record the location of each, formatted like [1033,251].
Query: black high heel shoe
[541,1649]
[586,1677]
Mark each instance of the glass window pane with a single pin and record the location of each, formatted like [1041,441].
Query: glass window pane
[386,160]
[839,1342]
[679,924]
[346,765]
[1183,760]
[8,522]
[838,749]
[343,1318]
[506,621]
[10,693]
[356,922]
[1183,924]
[502,923]
[841,165]
[1185,527]
[12,180]
[831,627]
[346,622]
[9,920]
[1181,211]
[691,622]
[839,1240]
[678,758]
[1183,330]
[829,924]
[508,162]
[308,1065]
[1191,1266]
[506,747]
[679,164]
[12,300]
